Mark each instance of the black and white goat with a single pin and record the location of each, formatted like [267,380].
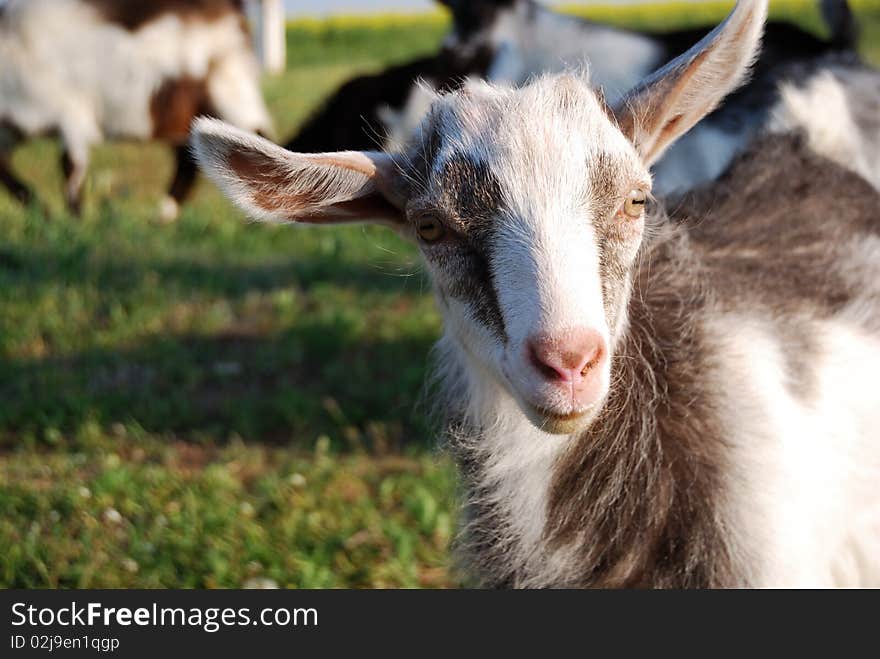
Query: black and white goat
[526,39]
[509,41]
[358,114]
[89,70]
[633,400]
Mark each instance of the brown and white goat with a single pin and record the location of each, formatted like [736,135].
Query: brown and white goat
[633,400]
[89,70]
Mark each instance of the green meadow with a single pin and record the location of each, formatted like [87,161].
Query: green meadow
[216,403]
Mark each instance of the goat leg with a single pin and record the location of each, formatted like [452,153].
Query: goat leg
[181,185]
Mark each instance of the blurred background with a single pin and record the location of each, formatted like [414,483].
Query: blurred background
[212,403]
[300,7]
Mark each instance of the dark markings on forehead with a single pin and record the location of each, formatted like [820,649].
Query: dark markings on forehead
[468,195]
[608,185]
[470,192]
[418,162]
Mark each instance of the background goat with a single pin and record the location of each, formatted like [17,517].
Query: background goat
[632,401]
[527,39]
[508,41]
[89,70]
[358,114]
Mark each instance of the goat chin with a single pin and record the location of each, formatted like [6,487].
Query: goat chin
[554,424]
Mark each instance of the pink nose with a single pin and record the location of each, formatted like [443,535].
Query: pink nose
[568,357]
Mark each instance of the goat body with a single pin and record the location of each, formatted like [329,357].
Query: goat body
[90,70]
[836,105]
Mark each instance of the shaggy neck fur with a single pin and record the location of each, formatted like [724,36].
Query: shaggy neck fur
[630,502]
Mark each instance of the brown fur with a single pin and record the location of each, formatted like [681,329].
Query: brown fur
[784,215]
[175,104]
[307,205]
[134,14]
[268,180]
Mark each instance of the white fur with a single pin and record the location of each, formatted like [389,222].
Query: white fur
[802,492]
[62,68]
[823,110]
[519,464]
[553,42]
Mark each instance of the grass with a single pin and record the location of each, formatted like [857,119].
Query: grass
[153,512]
[214,403]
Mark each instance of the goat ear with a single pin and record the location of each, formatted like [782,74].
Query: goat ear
[670,101]
[275,185]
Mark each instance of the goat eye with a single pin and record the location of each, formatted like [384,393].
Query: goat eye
[430,229]
[635,202]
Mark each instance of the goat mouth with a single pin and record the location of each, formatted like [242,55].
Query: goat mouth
[543,417]
[555,416]
[555,423]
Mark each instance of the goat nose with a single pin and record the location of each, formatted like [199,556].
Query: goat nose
[567,357]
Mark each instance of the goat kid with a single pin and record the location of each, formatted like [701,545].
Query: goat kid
[632,400]
[89,70]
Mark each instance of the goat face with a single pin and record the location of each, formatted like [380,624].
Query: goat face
[528,206]
[528,209]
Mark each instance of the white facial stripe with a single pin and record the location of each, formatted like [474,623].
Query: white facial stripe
[547,247]
[548,276]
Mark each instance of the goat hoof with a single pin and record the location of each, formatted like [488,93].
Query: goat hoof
[169,210]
